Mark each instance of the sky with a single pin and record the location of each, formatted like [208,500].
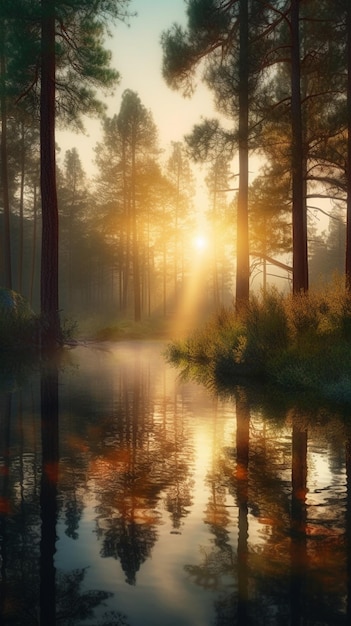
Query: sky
[137,55]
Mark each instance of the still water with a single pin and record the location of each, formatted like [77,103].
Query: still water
[131,497]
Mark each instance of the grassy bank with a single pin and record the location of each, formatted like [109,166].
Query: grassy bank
[301,342]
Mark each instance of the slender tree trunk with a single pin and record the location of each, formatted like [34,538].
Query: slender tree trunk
[164,277]
[70,247]
[176,237]
[264,253]
[148,270]
[125,259]
[21,203]
[4,168]
[136,263]
[216,298]
[34,245]
[136,275]
[348,170]
[299,217]
[49,252]
[120,280]
[126,264]
[243,265]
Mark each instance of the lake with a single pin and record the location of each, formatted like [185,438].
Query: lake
[130,496]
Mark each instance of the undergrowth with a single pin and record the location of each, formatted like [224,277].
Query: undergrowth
[299,342]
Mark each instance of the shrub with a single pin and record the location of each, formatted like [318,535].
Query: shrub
[297,341]
[302,312]
[266,326]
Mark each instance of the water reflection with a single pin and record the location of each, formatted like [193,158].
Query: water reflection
[128,496]
[48,492]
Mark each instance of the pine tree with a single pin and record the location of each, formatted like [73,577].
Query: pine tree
[80,61]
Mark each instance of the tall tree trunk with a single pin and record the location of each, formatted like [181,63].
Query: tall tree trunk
[148,268]
[4,168]
[348,170]
[164,271]
[21,204]
[299,217]
[125,245]
[34,245]
[136,262]
[136,276]
[49,251]
[70,247]
[176,238]
[243,265]
[216,298]
[126,263]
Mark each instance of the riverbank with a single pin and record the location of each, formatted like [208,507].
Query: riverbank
[300,343]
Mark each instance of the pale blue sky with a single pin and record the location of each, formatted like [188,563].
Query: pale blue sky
[137,54]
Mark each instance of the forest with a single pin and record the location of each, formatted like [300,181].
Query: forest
[120,245]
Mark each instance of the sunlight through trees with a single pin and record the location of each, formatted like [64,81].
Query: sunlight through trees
[121,244]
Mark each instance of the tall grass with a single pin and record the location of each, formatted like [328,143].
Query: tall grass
[301,342]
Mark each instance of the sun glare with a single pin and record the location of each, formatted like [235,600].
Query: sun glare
[200,242]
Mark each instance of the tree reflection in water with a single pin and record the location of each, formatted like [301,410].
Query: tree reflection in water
[149,458]
[48,492]
[297,574]
[32,595]
[348,524]
[298,555]
[187,508]
[5,503]
[226,562]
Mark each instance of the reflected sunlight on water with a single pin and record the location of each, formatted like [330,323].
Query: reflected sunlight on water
[171,506]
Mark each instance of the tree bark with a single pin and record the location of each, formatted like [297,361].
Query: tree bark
[49,250]
[348,170]
[299,217]
[21,208]
[243,265]
[34,246]
[4,168]
[136,262]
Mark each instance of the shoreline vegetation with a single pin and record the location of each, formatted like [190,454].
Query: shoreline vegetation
[300,343]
